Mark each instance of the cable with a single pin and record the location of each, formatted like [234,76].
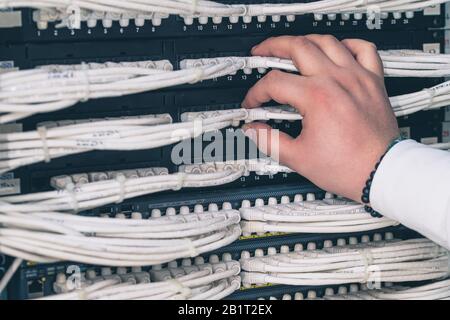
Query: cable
[52,140]
[117,242]
[55,87]
[397,63]
[51,88]
[120,9]
[390,261]
[439,290]
[329,215]
[10,273]
[202,280]
[96,194]
[135,133]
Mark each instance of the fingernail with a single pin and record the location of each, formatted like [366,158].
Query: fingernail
[254,48]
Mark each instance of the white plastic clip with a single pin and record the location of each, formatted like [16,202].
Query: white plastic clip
[244,11]
[120,179]
[194,7]
[197,127]
[191,247]
[431,95]
[87,85]
[181,178]
[367,259]
[199,74]
[70,189]
[184,291]
[82,294]
[42,131]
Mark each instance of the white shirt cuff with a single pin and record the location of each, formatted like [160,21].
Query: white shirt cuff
[412,186]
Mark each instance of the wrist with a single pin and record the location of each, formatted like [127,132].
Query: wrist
[365,194]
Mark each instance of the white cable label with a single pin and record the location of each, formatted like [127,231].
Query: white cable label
[10,19]
[9,185]
[7,66]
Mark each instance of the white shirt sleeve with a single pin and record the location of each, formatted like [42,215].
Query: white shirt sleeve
[412,186]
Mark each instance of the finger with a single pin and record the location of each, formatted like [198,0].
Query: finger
[334,49]
[282,87]
[272,142]
[366,54]
[306,56]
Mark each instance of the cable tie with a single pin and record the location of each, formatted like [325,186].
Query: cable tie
[87,84]
[180,288]
[70,189]
[120,179]
[431,95]
[199,74]
[245,9]
[194,7]
[82,294]
[197,127]
[366,257]
[192,249]
[181,176]
[42,131]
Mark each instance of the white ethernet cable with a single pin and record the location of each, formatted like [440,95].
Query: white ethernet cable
[439,290]
[383,261]
[329,215]
[50,88]
[202,280]
[57,139]
[427,99]
[53,140]
[397,63]
[96,194]
[52,236]
[189,9]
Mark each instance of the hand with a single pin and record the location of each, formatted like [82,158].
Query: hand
[348,120]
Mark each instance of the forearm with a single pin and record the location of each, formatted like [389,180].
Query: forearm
[412,186]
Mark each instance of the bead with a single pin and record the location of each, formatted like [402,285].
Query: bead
[366,191]
[365,199]
[368,184]
[375,214]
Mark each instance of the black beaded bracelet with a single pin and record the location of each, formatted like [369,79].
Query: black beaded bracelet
[365,198]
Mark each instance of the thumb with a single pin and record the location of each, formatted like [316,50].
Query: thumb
[272,142]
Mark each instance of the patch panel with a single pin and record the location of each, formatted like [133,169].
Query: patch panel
[233,198]
[37,26]
[36,280]
[30,42]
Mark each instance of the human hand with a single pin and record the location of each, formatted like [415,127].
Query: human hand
[348,121]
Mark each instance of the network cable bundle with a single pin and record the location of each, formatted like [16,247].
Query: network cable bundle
[100,198]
